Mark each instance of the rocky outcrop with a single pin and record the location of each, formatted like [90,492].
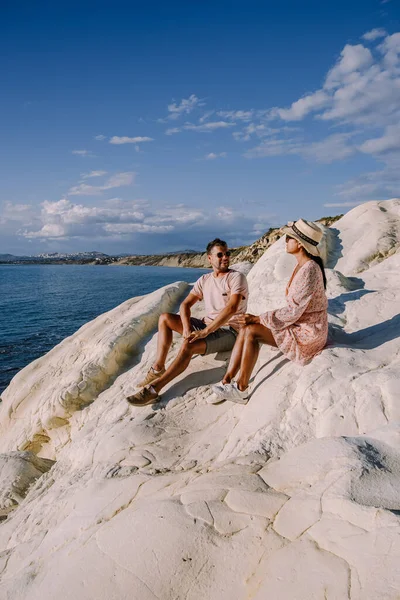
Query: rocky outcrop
[18,471]
[196,260]
[295,495]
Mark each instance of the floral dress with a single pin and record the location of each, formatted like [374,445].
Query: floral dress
[300,329]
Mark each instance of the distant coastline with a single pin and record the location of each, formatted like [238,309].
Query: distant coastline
[186,259]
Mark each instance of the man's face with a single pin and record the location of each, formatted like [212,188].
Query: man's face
[219,258]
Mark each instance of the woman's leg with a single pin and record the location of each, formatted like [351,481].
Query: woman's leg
[236,357]
[253,334]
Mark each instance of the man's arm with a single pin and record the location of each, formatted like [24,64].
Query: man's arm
[184,312]
[230,309]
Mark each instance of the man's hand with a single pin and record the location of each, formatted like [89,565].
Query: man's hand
[247,319]
[186,333]
[198,335]
[184,312]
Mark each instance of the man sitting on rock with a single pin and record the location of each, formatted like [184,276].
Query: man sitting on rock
[225,295]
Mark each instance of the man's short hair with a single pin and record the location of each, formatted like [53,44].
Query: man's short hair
[216,242]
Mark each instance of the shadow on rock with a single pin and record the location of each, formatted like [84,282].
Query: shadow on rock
[194,380]
[277,367]
[335,247]
[368,338]
[336,306]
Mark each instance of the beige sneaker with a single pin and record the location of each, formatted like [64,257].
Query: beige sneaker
[151,376]
[146,396]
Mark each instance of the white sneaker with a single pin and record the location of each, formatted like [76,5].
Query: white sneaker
[230,391]
[214,399]
[219,390]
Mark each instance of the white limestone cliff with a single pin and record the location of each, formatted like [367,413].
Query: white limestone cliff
[295,495]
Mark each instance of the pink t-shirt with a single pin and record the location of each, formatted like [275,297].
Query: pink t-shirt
[216,293]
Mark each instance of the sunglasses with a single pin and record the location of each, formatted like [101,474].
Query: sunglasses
[221,254]
[288,237]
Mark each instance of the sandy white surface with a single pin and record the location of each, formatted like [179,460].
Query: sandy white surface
[294,496]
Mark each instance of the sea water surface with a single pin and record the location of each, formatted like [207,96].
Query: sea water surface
[40,305]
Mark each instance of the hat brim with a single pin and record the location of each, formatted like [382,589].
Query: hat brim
[309,247]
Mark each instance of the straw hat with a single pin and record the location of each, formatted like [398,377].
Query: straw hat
[307,233]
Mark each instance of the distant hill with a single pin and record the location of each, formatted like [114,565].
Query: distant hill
[8,257]
[198,260]
[178,258]
[58,255]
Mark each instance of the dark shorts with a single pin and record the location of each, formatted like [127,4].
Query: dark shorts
[221,340]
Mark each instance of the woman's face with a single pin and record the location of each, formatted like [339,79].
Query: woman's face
[291,245]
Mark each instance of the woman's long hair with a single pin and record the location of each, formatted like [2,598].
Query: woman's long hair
[319,262]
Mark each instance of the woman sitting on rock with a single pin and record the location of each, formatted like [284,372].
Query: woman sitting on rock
[299,330]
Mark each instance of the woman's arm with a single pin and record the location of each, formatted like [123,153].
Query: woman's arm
[304,287]
[247,319]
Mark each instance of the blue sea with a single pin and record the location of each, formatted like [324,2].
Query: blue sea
[40,305]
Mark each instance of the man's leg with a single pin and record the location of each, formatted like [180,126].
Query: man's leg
[180,363]
[167,323]
[253,334]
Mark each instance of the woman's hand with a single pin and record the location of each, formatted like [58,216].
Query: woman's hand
[198,335]
[247,319]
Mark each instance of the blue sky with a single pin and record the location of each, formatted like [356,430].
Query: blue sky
[149,127]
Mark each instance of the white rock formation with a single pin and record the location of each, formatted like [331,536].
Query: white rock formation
[18,470]
[243,267]
[294,496]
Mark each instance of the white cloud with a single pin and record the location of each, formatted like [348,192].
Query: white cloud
[301,108]
[369,99]
[342,204]
[49,230]
[213,155]
[384,183]
[124,228]
[11,209]
[93,174]
[364,91]
[118,180]
[361,94]
[64,219]
[390,48]
[100,137]
[125,220]
[129,140]
[14,216]
[260,130]
[353,59]
[82,152]
[362,88]
[388,142]
[374,34]
[185,107]
[248,131]
[333,147]
[172,130]
[237,115]
[274,147]
[206,116]
[208,127]
[84,189]
[327,150]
